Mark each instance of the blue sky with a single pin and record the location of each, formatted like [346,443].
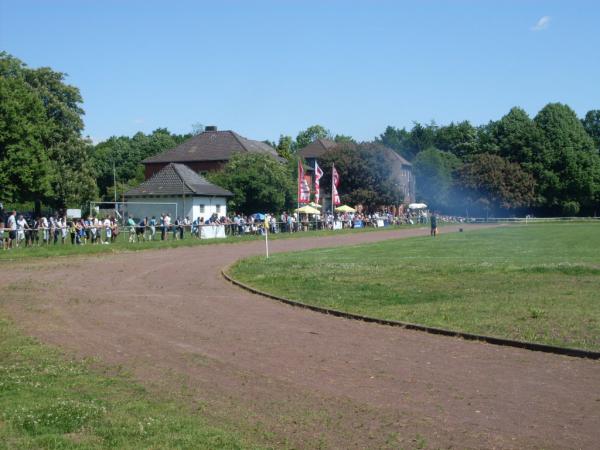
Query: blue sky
[265,68]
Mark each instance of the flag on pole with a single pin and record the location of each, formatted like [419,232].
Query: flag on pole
[318,176]
[335,182]
[303,186]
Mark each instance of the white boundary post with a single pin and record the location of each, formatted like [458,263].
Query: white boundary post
[267,240]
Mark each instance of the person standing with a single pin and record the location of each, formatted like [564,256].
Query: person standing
[21,227]
[115,229]
[167,225]
[433,221]
[131,225]
[11,223]
[64,229]
[45,235]
[141,229]
[72,231]
[53,230]
[107,230]
[93,229]
[152,228]
[34,224]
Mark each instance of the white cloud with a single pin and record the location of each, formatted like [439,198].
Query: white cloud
[541,24]
[138,121]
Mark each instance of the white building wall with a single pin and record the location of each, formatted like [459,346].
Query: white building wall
[192,207]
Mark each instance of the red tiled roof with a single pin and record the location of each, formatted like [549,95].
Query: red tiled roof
[212,146]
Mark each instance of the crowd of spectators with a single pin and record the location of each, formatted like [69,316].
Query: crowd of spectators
[52,229]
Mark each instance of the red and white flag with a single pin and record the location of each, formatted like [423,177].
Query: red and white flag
[303,186]
[335,182]
[318,176]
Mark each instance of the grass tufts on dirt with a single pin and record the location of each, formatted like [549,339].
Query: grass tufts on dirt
[49,402]
[536,283]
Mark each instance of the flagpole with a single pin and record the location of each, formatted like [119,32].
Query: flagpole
[298,191]
[332,205]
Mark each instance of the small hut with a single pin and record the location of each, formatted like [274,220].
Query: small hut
[178,190]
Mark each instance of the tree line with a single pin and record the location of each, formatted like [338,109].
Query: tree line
[548,164]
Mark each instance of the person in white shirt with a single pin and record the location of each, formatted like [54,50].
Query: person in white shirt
[64,229]
[11,223]
[167,227]
[107,229]
[44,225]
[21,226]
[53,229]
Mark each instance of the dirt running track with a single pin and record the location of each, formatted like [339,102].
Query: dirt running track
[295,378]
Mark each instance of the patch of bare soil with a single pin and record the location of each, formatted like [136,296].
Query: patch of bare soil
[290,377]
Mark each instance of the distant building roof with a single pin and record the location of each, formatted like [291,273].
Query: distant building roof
[176,180]
[397,156]
[317,148]
[212,146]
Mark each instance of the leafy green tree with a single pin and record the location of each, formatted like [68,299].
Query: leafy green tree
[492,183]
[285,147]
[74,182]
[397,139]
[434,171]
[40,118]
[367,174]
[127,154]
[311,134]
[569,160]
[422,137]
[259,183]
[459,139]
[62,103]
[409,143]
[591,124]
[25,169]
[515,137]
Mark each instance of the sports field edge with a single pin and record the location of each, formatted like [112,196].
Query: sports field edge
[494,340]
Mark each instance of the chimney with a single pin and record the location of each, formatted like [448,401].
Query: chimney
[210,128]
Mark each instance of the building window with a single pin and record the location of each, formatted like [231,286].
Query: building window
[218,209]
[201,209]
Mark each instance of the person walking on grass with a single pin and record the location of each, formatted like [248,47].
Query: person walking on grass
[433,221]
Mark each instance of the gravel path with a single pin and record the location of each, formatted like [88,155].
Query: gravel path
[291,377]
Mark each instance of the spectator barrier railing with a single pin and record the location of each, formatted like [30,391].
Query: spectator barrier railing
[138,233]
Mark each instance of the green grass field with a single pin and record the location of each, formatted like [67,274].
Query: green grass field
[538,283]
[47,401]
[122,244]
